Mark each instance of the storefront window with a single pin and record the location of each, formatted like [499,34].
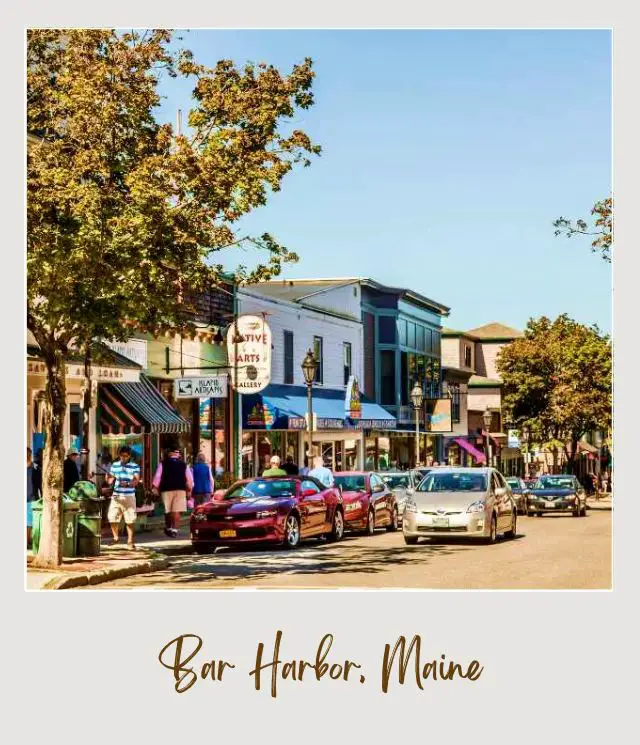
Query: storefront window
[402,333]
[404,378]
[248,454]
[111,444]
[384,454]
[350,459]
[370,454]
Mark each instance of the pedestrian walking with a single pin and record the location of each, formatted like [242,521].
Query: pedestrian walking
[274,469]
[202,480]
[124,475]
[321,472]
[173,480]
[36,474]
[290,468]
[70,470]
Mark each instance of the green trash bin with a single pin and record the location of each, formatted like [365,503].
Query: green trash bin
[69,526]
[86,495]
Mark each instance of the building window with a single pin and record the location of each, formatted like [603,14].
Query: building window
[346,352]
[368,338]
[467,355]
[454,390]
[317,353]
[386,330]
[388,378]
[402,333]
[288,357]
[411,335]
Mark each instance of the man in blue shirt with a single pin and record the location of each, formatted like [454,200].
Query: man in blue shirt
[124,475]
[321,472]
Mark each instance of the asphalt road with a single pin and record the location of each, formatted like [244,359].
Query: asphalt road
[552,552]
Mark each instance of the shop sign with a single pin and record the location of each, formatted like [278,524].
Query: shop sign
[353,407]
[438,415]
[261,415]
[211,386]
[513,438]
[133,349]
[249,360]
[377,424]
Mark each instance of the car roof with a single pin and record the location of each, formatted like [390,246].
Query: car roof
[352,473]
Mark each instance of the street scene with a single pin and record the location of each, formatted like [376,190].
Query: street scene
[372,402]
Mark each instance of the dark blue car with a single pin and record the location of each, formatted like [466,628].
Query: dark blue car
[557,493]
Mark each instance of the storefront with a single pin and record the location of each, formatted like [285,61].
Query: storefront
[465,451]
[137,414]
[396,449]
[274,422]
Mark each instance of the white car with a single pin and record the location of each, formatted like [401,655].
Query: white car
[466,502]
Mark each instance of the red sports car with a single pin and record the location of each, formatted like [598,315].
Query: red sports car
[282,510]
[368,502]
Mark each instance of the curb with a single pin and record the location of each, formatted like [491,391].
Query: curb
[155,561]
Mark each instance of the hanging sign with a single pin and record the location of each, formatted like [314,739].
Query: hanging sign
[249,359]
[211,386]
[438,413]
[352,405]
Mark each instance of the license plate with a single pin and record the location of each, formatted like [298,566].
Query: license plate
[549,505]
[441,522]
[227,534]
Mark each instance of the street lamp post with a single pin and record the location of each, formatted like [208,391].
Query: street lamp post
[309,368]
[416,400]
[525,439]
[486,418]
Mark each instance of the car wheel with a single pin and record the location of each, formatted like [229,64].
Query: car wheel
[576,512]
[292,532]
[512,532]
[583,511]
[493,530]
[371,523]
[538,514]
[410,540]
[337,527]
[393,525]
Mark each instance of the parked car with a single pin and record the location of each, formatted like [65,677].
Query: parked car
[557,493]
[402,484]
[520,492]
[368,503]
[276,510]
[468,502]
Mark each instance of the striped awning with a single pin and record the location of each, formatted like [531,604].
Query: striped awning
[130,408]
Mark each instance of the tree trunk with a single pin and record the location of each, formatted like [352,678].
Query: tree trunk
[50,549]
[86,410]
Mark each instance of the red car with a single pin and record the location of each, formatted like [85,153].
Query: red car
[368,502]
[281,510]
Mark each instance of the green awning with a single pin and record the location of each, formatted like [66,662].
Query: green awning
[144,402]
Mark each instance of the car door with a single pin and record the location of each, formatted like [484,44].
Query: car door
[506,505]
[312,508]
[498,501]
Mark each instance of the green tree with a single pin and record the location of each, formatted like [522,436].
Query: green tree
[602,228]
[125,217]
[557,381]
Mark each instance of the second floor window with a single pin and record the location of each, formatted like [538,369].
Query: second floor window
[288,357]
[346,353]
[467,355]
[317,353]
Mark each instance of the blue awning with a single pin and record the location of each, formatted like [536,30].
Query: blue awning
[284,407]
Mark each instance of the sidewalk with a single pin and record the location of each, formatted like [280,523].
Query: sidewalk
[604,503]
[114,562]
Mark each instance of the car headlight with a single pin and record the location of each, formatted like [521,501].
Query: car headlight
[571,498]
[353,506]
[477,507]
[532,496]
[266,513]
[199,516]
[410,506]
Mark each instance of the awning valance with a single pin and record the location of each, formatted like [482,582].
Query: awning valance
[137,407]
[477,454]
[285,406]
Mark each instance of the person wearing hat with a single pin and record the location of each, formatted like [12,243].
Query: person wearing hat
[70,470]
[274,468]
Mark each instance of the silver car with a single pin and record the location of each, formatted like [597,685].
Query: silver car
[402,484]
[468,502]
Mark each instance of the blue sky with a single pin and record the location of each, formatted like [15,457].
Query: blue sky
[446,157]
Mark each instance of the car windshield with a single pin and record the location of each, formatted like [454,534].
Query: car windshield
[351,483]
[253,489]
[551,482]
[396,481]
[454,482]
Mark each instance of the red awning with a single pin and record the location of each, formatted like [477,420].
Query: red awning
[477,454]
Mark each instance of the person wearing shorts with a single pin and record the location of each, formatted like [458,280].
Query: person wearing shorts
[124,476]
[174,481]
